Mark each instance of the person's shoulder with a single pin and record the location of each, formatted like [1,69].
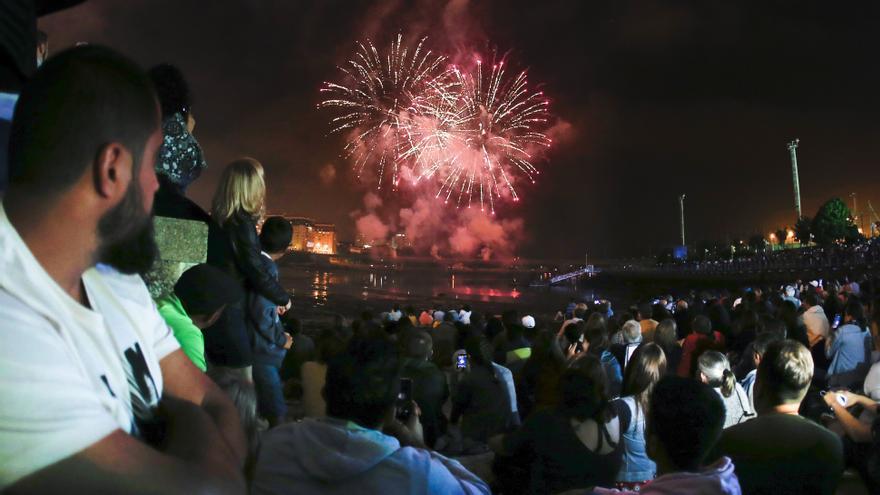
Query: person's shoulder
[124,286]
[20,324]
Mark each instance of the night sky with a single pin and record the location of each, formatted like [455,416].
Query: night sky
[664,97]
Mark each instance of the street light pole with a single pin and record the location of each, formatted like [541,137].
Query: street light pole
[792,149]
[855,210]
[681,212]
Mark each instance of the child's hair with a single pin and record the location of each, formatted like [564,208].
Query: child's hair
[276,235]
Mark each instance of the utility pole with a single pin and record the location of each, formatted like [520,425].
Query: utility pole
[855,210]
[681,212]
[792,149]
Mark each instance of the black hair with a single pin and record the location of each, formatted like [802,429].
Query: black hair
[703,326]
[811,298]
[276,235]
[172,89]
[584,391]
[77,103]
[763,340]
[328,346]
[687,417]
[856,311]
[363,382]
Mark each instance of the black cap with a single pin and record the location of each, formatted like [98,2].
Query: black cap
[203,289]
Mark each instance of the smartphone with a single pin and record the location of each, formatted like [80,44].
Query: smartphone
[404,400]
[461,361]
[836,321]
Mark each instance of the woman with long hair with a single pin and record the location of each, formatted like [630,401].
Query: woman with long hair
[714,370]
[238,206]
[646,366]
[481,400]
[666,336]
[538,384]
[575,445]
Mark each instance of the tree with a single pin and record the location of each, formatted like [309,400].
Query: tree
[757,243]
[803,229]
[833,222]
[781,236]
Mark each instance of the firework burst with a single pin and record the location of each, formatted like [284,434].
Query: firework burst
[374,99]
[469,133]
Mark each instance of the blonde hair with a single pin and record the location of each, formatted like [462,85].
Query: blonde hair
[242,188]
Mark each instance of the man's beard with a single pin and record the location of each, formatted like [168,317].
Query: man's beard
[128,241]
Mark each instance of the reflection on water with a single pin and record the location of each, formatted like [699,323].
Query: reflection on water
[331,287]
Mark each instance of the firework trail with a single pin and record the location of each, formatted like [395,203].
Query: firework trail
[470,133]
[378,91]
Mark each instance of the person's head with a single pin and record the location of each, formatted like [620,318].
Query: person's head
[714,370]
[205,291]
[395,307]
[479,350]
[172,89]
[580,311]
[666,334]
[596,334]
[574,332]
[584,390]
[632,332]
[783,376]
[854,313]
[85,132]
[760,344]
[419,346]
[242,189]
[275,236]
[644,311]
[243,395]
[811,299]
[702,325]
[362,383]
[645,368]
[685,420]
[510,317]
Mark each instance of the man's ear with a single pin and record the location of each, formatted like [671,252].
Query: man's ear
[112,170]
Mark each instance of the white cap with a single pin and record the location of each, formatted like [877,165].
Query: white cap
[528,321]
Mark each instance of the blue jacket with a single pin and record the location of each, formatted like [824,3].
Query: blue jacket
[612,371]
[265,328]
[637,466]
[849,349]
[332,456]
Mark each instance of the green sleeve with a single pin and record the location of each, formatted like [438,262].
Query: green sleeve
[188,335]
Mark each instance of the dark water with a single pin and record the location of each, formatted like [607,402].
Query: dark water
[347,290]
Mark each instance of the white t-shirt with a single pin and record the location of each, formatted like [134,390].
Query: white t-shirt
[69,375]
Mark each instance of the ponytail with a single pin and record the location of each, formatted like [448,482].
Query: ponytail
[728,383]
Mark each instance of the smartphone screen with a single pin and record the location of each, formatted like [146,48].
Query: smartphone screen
[461,361]
[404,399]
[836,321]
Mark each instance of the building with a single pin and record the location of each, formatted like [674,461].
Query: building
[312,237]
[323,238]
[302,231]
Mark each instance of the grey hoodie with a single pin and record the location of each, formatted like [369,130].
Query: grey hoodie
[334,456]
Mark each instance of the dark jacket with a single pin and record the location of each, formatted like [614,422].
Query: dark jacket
[430,392]
[240,257]
[264,326]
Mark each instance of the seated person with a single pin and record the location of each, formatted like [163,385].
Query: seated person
[199,298]
[849,348]
[429,387]
[575,445]
[97,395]
[685,419]
[759,347]
[714,370]
[347,452]
[780,452]
[481,400]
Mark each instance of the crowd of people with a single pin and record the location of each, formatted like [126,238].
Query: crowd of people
[107,390]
